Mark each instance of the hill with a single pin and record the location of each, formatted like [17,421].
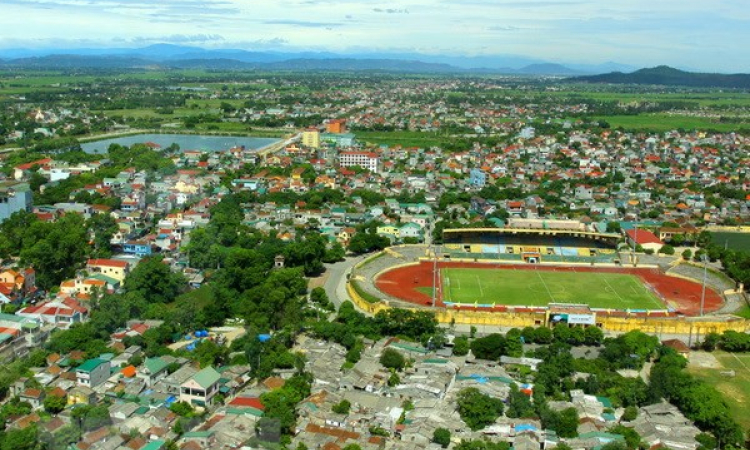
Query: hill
[668,76]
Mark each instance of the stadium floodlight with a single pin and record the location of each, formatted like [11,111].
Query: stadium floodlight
[704,258]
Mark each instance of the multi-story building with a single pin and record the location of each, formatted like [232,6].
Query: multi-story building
[14,197]
[311,138]
[365,160]
[93,372]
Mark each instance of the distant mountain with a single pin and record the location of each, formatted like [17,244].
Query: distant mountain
[180,56]
[668,76]
[548,69]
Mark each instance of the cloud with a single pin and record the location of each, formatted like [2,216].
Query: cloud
[303,23]
[391,11]
[179,39]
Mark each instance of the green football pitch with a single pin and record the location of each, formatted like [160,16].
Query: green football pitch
[540,287]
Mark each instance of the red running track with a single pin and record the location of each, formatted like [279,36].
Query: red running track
[681,294]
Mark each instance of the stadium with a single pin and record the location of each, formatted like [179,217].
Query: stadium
[540,265]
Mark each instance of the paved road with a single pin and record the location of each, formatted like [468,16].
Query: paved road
[335,285]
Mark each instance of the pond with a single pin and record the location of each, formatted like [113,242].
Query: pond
[185,141]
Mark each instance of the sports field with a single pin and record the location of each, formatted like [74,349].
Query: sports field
[735,386]
[541,287]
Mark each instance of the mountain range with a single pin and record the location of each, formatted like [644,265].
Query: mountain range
[669,76]
[176,56]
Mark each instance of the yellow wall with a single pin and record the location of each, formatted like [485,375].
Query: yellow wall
[527,319]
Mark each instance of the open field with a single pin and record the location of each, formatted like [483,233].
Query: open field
[539,288]
[536,286]
[734,241]
[736,389]
[665,122]
[403,138]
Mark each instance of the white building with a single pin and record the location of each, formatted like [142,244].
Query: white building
[365,160]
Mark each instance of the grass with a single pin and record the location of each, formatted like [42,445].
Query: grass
[198,299]
[539,288]
[735,390]
[665,122]
[404,138]
[364,294]
[734,241]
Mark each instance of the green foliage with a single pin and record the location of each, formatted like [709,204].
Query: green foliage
[519,404]
[280,404]
[564,423]
[154,281]
[482,445]
[460,346]
[342,407]
[630,350]
[699,401]
[378,431]
[478,410]
[667,250]
[630,414]
[182,409]
[490,347]
[632,438]
[392,359]
[442,437]
[54,404]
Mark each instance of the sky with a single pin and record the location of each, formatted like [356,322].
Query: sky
[704,35]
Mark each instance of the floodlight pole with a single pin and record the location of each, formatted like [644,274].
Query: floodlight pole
[703,290]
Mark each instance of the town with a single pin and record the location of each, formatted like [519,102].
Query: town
[208,295]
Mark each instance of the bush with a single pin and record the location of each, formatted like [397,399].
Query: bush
[667,250]
[460,346]
[442,436]
[392,359]
[630,414]
[342,407]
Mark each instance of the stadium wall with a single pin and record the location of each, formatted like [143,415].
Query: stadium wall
[533,319]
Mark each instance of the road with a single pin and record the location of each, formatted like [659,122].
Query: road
[335,284]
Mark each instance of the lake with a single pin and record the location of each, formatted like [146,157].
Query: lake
[185,141]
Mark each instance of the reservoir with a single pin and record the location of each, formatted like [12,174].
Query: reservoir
[185,141]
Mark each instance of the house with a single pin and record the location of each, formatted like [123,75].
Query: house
[14,197]
[35,397]
[644,238]
[153,370]
[477,178]
[138,248]
[201,388]
[110,267]
[93,372]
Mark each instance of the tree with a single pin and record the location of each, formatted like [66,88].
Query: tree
[335,253]
[342,407]
[630,414]
[442,437]
[687,254]
[153,279]
[593,336]
[392,359]
[394,379]
[490,347]
[667,250]
[54,404]
[478,410]
[460,346]
[182,409]
[632,438]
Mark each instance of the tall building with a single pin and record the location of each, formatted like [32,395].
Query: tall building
[14,197]
[477,178]
[365,160]
[337,126]
[311,138]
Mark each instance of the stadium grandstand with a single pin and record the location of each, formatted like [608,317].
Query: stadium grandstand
[532,241]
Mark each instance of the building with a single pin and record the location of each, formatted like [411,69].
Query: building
[645,239]
[311,138]
[93,372]
[365,160]
[201,388]
[14,197]
[336,126]
[477,178]
[110,267]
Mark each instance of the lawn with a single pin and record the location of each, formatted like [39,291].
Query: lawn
[736,389]
[538,288]
[734,241]
[666,122]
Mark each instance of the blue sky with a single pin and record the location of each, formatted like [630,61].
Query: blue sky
[706,35]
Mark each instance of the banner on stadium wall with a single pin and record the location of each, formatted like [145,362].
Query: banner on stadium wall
[581,319]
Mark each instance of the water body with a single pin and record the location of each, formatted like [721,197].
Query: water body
[185,141]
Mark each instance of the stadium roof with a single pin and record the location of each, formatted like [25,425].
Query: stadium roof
[643,237]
